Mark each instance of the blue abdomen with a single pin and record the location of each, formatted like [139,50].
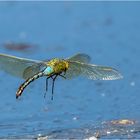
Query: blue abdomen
[48,70]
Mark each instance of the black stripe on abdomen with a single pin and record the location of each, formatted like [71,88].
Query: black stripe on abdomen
[27,82]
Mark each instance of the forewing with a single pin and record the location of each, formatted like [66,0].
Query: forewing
[81,57]
[96,72]
[15,65]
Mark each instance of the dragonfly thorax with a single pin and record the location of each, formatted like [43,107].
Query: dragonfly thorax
[56,66]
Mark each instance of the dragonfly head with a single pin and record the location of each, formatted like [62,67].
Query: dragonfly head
[48,71]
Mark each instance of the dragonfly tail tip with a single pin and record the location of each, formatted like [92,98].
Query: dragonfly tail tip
[17,96]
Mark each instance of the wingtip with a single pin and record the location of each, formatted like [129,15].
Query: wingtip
[119,76]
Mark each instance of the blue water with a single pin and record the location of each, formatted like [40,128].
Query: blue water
[107,31]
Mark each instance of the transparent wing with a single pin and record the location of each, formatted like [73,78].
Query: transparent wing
[15,65]
[81,57]
[32,70]
[90,71]
[73,70]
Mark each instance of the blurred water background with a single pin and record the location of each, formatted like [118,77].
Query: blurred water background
[107,31]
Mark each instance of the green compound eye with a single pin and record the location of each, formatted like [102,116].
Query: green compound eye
[48,70]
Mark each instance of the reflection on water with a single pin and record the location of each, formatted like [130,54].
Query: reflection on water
[101,130]
[106,129]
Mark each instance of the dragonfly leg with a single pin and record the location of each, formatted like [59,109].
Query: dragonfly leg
[53,85]
[53,77]
[47,85]
[62,76]
[65,72]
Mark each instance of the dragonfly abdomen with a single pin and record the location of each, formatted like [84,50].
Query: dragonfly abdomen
[27,82]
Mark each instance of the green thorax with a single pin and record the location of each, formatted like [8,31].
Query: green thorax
[58,65]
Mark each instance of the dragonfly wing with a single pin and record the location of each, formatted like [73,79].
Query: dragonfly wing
[96,72]
[15,65]
[73,70]
[101,72]
[32,70]
[81,57]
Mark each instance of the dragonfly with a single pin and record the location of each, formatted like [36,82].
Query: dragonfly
[71,67]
